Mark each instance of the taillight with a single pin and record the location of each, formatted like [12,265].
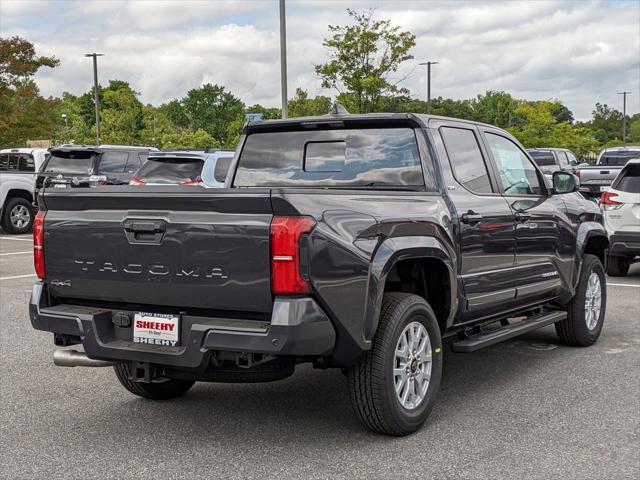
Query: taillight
[38,245]
[607,200]
[135,181]
[286,233]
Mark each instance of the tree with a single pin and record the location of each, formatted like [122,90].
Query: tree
[121,114]
[24,114]
[363,57]
[303,106]
[606,123]
[496,108]
[212,109]
[539,128]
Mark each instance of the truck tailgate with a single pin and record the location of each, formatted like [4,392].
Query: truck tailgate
[162,246]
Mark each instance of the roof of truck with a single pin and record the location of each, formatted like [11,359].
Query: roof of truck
[311,122]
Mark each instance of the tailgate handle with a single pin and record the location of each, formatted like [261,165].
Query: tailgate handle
[150,231]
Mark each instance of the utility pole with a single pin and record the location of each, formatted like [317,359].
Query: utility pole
[624,116]
[428,64]
[95,90]
[283,59]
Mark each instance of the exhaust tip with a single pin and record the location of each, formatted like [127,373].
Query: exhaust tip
[73,358]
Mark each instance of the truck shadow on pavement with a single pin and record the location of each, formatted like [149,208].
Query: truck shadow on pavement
[315,401]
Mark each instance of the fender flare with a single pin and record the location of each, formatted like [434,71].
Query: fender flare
[586,231]
[390,252]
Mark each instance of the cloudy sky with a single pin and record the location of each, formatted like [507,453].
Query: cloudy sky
[580,52]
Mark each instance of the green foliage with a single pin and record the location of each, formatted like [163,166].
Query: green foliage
[24,113]
[212,109]
[185,139]
[303,106]
[540,128]
[363,56]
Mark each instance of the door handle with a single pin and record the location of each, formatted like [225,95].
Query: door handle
[471,217]
[522,216]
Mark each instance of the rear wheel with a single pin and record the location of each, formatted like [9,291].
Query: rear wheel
[586,312]
[394,385]
[617,266]
[155,391]
[17,216]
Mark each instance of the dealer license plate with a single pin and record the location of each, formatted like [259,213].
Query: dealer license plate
[156,329]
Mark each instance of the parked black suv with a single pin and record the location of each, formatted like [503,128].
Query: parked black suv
[362,242]
[82,166]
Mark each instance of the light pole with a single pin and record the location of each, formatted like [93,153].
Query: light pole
[95,89]
[428,64]
[624,116]
[283,59]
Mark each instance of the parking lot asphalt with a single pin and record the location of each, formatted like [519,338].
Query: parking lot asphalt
[527,408]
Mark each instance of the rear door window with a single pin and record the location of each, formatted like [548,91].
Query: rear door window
[377,157]
[629,180]
[170,170]
[113,162]
[26,163]
[562,158]
[4,162]
[466,159]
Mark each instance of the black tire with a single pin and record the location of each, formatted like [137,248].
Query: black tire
[574,330]
[23,205]
[371,380]
[154,391]
[617,266]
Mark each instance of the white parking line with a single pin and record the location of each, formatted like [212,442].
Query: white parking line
[16,253]
[18,276]
[17,239]
[623,285]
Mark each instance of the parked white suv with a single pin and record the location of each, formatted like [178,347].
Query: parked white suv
[621,208]
[18,167]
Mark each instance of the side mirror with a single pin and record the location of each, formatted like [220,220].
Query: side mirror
[565,182]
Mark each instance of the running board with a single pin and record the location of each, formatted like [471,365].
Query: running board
[485,339]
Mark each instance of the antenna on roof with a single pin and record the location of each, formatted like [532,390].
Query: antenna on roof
[338,109]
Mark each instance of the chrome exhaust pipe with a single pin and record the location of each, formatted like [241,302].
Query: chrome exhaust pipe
[73,358]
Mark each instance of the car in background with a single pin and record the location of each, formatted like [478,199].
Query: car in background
[18,167]
[186,168]
[86,166]
[597,179]
[554,159]
[621,210]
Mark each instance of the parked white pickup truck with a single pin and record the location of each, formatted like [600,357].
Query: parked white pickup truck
[598,178]
[18,167]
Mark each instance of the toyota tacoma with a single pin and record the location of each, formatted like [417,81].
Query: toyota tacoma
[359,242]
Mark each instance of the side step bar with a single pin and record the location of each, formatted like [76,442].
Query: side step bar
[484,339]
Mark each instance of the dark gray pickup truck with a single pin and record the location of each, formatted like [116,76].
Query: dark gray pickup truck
[361,242]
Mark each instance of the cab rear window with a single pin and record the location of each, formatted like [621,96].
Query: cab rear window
[70,162]
[342,158]
[543,159]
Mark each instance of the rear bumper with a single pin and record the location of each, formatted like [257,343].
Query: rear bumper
[622,243]
[298,327]
[593,190]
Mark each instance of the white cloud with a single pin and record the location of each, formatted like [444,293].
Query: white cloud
[578,52]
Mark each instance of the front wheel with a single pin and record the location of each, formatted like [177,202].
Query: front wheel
[394,385]
[586,311]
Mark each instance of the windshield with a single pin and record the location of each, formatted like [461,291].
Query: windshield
[618,158]
[70,162]
[170,170]
[543,159]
